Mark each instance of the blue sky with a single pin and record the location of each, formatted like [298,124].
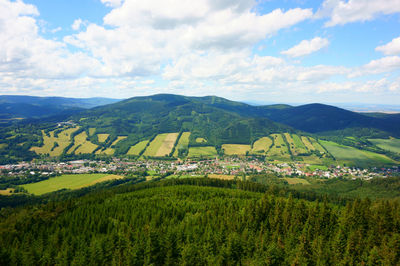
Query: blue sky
[328,51]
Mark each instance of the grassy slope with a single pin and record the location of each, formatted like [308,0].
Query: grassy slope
[167,145]
[182,143]
[392,145]
[102,137]
[235,149]
[350,155]
[279,150]
[262,145]
[68,182]
[155,145]
[137,148]
[202,151]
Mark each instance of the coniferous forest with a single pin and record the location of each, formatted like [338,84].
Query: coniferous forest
[201,222]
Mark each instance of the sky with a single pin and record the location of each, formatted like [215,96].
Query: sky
[270,51]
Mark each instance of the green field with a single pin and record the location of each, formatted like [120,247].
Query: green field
[119,138]
[201,140]
[352,156]
[307,143]
[92,130]
[167,145]
[202,151]
[102,137]
[138,148]
[295,180]
[300,148]
[182,143]
[235,149]
[108,151]
[316,145]
[63,140]
[82,145]
[67,182]
[279,150]
[162,145]
[391,144]
[262,145]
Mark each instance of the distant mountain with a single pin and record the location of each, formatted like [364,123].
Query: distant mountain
[15,106]
[317,118]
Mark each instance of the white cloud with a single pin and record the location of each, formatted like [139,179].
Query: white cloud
[390,48]
[144,35]
[77,24]
[112,3]
[306,47]
[342,12]
[382,65]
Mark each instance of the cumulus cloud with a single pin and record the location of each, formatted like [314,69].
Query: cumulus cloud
[378,66]
[112,3]
[77,24]
[390,48]
[342,12]
[306,47]
[144,35]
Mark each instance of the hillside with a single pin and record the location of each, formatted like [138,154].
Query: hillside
[173,126]
[216,119]
[201,222]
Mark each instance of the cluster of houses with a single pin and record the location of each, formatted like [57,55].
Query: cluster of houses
[226,166]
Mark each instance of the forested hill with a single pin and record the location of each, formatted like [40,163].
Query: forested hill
[216,119]
[200,222]
[215,115]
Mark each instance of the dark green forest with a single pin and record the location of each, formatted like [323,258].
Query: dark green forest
[201,222]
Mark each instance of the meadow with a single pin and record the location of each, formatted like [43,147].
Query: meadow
[352,156]
[262,145]
[138,148]
[235,149]
[161,145]
[202,151]
[295,181]
[82,145]
[182,143]
[63,140]
[102,137]
[307,143]
[279,150]
[391,144]
[67,182]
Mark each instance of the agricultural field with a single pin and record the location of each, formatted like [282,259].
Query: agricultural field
[137,148]
[279,150]
[391,144]
[262,145]
[295,181]
[352,156]
[235,149]
[67,182]
[223,177]
[307,143]
[108,151]
[201,140]
[92,130]
[208,151]
[298,144]
[63,140]
[7,192]
[317,145]
[162,145]
[182,143]
[102,137]
[119,138]
[82,145]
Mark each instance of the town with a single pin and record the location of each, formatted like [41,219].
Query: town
[226,168]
